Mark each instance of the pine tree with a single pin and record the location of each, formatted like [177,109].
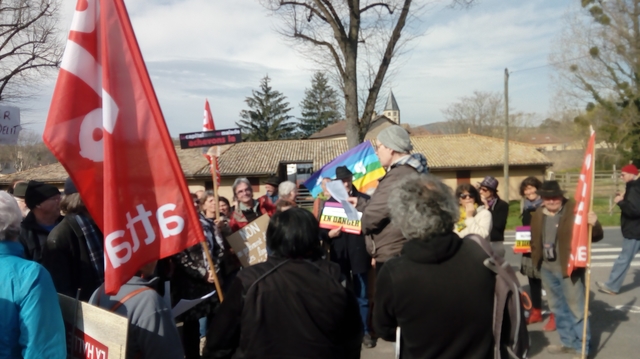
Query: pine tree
[267,118]
[319,107]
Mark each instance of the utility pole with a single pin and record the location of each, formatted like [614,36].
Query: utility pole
[506,135]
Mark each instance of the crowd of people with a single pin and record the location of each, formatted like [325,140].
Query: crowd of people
[322,293]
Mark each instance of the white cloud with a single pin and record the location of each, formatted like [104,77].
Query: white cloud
[221,49]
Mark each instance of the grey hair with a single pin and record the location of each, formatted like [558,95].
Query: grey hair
[237,182]
[10,217]
[285,188]
[422,206]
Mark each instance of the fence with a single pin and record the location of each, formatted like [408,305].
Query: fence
[606,184]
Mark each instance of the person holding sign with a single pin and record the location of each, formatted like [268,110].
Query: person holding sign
[248,209]
[348,249]
[474,217]
[551,234]
[32,325]
[291,306]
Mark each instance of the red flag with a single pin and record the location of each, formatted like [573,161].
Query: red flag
[106,128]
[209,125]
[579,240]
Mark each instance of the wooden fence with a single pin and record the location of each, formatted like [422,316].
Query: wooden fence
[607,184]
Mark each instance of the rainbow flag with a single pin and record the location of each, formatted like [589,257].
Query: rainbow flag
[361,160]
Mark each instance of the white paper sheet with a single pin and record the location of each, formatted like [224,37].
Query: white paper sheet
[339,193]
[186,304]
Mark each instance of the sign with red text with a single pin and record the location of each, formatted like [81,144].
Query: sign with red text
[96,333]
[9,125]
[210,138]
[579,240]
[106,128]
[250,242]
[523,240]
[333,216]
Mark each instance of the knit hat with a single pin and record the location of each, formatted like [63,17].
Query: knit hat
[20,189]
[631,169]
[38,192]
[395,138]
[69,187]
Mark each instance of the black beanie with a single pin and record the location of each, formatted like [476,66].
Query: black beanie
[38,192]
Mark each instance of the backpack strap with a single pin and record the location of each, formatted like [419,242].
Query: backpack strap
[127,297]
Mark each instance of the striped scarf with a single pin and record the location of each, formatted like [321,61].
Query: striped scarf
[94,243]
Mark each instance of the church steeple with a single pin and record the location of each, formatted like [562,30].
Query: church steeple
[391,110]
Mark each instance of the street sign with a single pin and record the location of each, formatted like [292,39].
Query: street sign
[210,138]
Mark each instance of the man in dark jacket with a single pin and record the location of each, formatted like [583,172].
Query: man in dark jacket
[74,251]
[350,253]
[384,240]
[499,212]
[438,291]
[630,224]
[551,234]
[43,201]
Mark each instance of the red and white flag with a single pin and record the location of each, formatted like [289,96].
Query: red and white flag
[579,241]
[209,125]
[106,128]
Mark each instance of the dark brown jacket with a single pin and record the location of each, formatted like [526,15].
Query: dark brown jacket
[384,240]
[565,232]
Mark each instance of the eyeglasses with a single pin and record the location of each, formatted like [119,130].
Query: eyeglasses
[465,196]
[484,189]
[246,190]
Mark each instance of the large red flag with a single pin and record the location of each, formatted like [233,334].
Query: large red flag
[579,241]
[106,128]
[209,125]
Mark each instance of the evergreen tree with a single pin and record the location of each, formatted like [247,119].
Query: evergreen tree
[319,107]
[267,118]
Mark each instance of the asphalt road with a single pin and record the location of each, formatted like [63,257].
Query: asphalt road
[615,320]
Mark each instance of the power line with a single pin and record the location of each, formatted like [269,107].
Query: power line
[550,64]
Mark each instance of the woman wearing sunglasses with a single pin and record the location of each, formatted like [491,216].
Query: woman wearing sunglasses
[474,217]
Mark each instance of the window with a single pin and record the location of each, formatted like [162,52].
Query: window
[297,173]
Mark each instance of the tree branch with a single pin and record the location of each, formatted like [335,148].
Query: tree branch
[371,6]
[305,5]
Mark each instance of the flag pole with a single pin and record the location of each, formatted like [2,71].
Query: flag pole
[205,245]
[588,267]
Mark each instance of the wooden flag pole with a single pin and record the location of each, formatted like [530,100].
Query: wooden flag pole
[588,267]
[205,245]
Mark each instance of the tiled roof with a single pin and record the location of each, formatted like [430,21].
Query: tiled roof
[336,129]
[469,151]
[263,158]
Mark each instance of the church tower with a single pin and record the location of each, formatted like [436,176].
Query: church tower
[391,110]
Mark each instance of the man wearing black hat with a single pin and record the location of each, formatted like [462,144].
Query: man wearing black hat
[551,233]
[44,202]
[19,191]
[271,186]
[349,251]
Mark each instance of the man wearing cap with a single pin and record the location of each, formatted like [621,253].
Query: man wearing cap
[350,252]
[499,209]
[629,204]
[271,186]
[19,191]
[384,240]
[44,202]
[551,234]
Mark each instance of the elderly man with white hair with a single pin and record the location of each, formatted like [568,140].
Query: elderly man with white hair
[32,325]
[287,190]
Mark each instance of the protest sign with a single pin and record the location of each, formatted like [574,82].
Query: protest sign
[250,242]
[523,240]
[99,334]
[9,125]
[334,216]
[210,138]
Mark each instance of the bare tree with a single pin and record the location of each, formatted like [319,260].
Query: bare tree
[29,44]
[483,113]
[336,32]
[30,152]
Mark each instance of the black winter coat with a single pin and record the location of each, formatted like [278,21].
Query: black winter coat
[286,309]
[349,250]
[441,296]
[630,206]
[30,234]
[67,258]
[499,213]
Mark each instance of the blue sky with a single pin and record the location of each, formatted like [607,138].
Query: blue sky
[220,49]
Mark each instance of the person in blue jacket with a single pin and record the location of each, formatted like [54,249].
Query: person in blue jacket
[32,325]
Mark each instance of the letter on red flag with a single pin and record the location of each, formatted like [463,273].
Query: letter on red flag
[106,128]
[579,240]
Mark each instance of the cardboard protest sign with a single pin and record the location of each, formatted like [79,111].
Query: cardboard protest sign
[250,242]
[9,125]
[334,216]
[99,334]
[523,240]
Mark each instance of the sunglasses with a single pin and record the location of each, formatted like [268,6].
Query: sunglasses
[465,196]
